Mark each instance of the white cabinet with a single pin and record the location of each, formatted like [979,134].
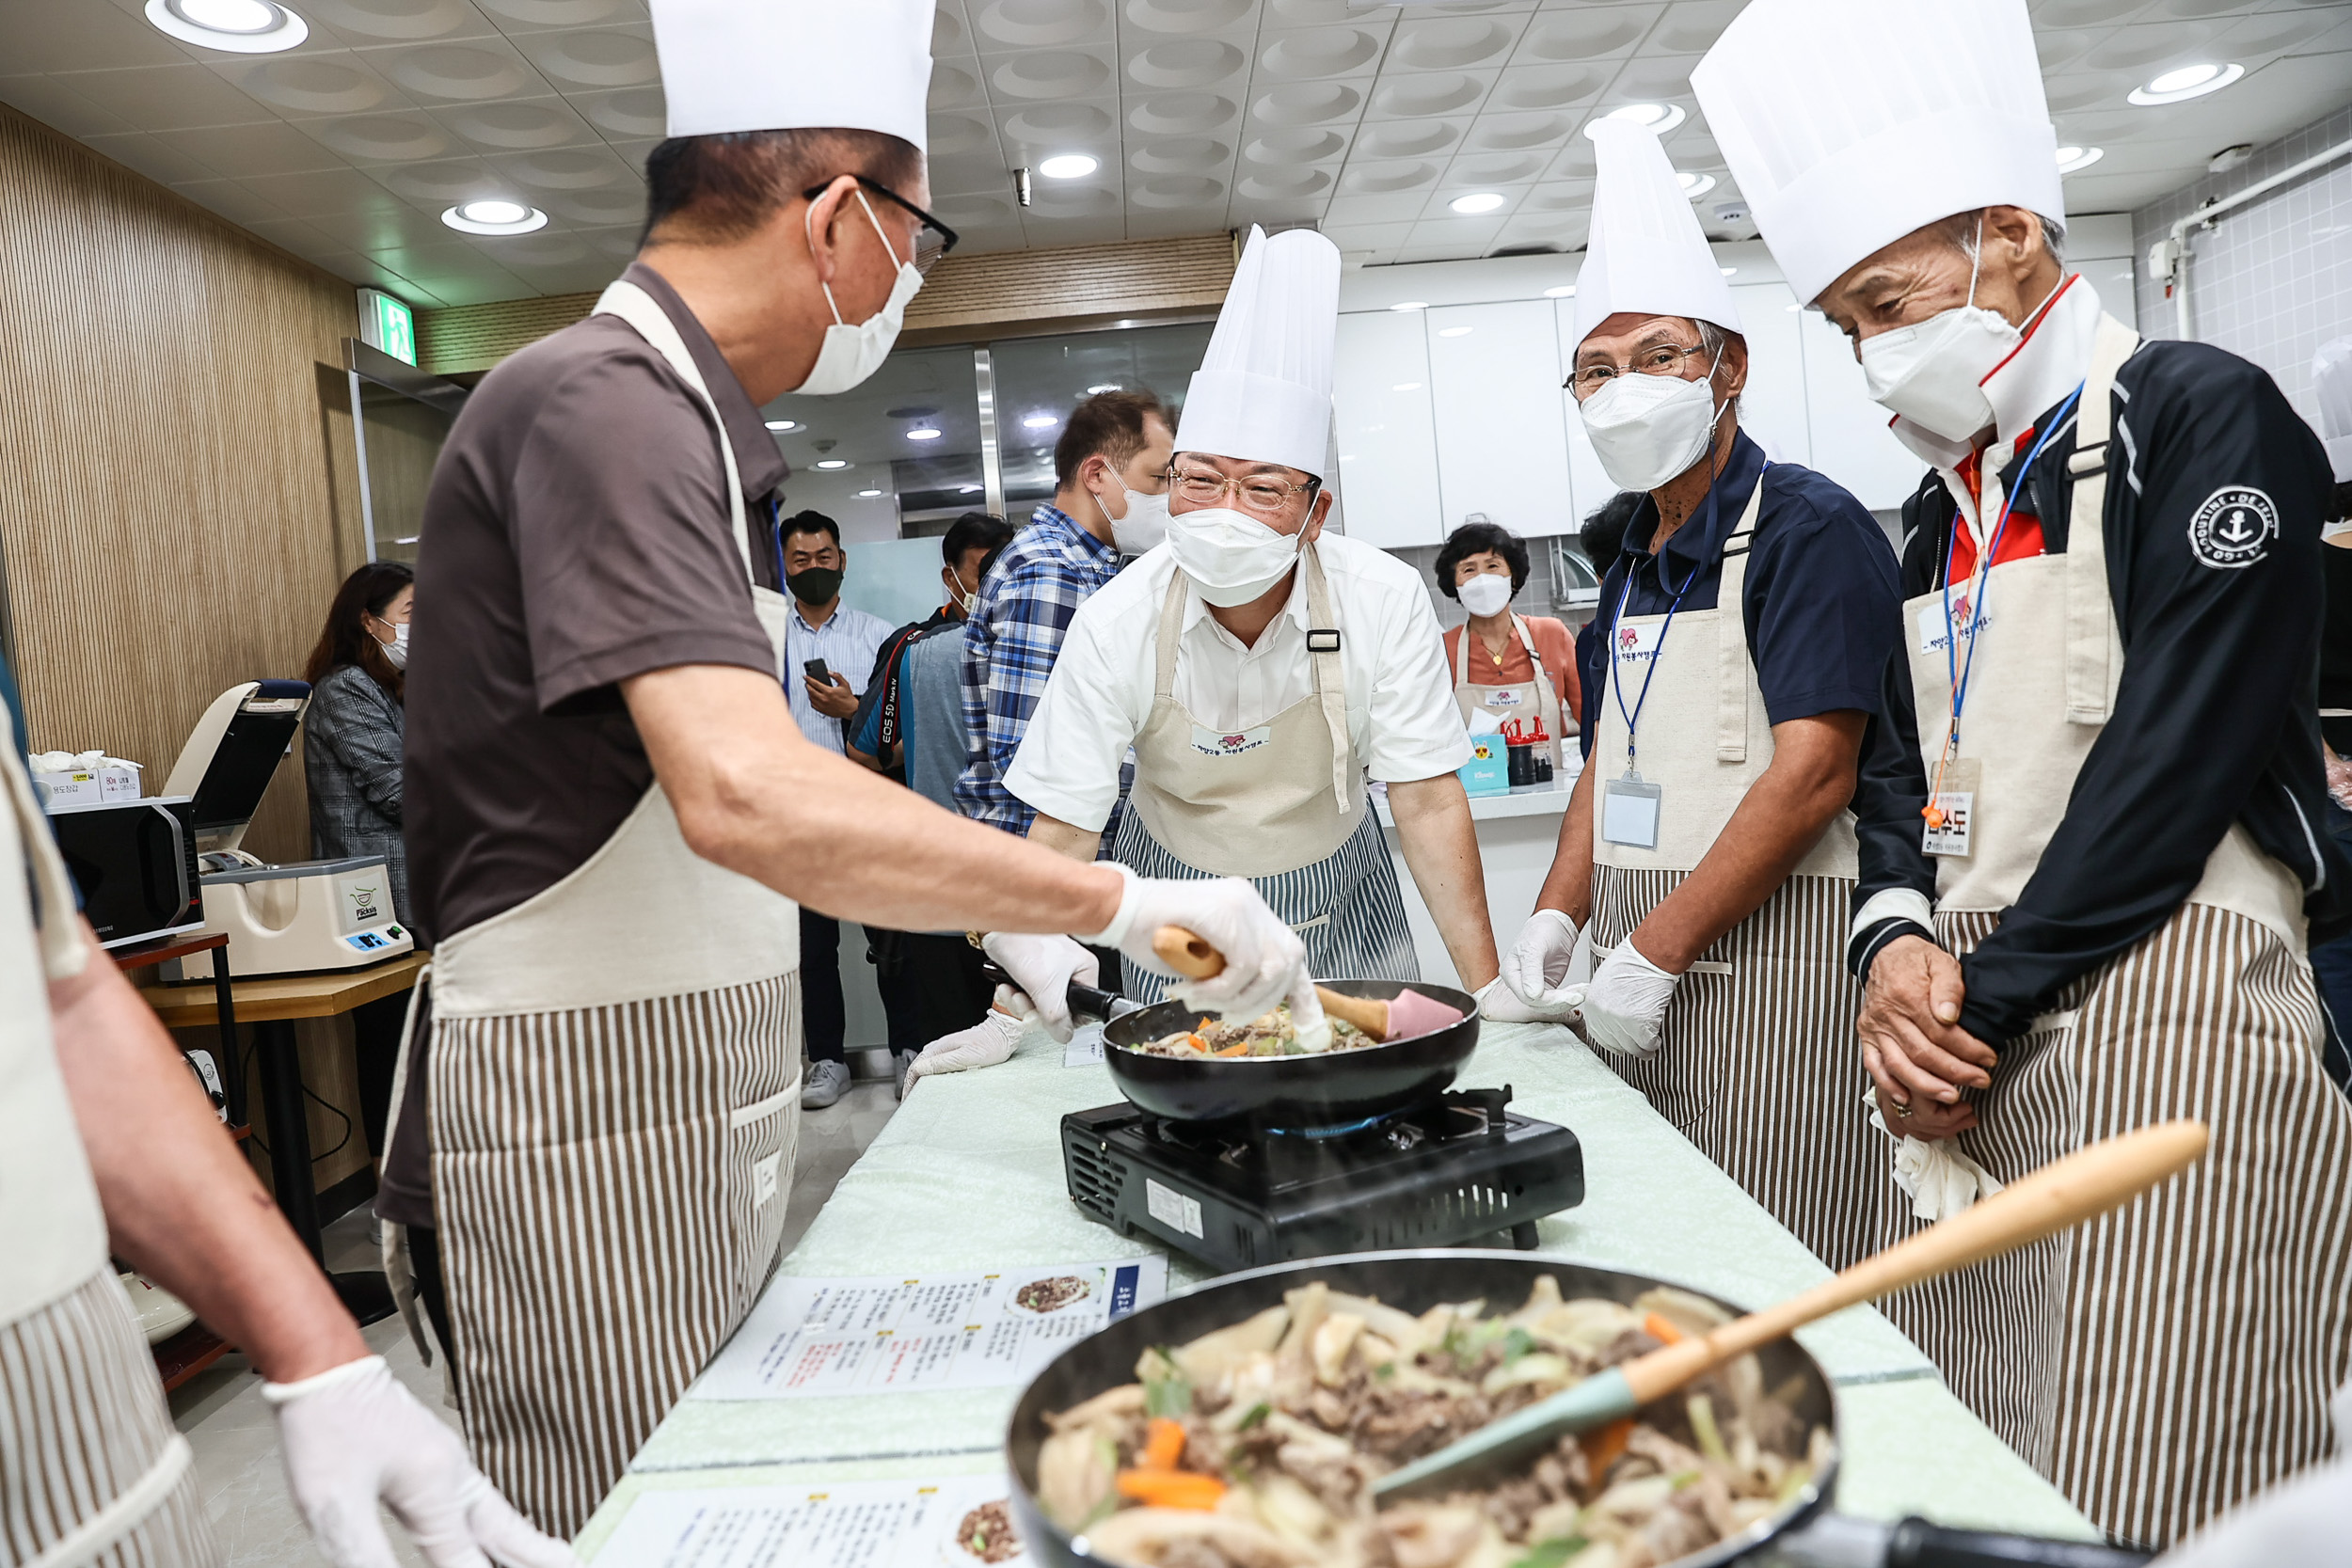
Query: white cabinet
[1850,441]
[1589,486]
[1772,409]
[1387,443]
[1502,449]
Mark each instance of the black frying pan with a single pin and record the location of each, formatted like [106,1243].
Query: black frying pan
[1801,1532]
[1296,1092]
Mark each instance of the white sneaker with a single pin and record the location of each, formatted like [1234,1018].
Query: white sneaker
[826,1082]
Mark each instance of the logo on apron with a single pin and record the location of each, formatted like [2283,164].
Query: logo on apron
[1230,743]
[1637,643]
[1935,631]
[1503,696]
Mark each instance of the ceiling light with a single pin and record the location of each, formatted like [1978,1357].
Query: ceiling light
[833,463]
[2072,158]
[494,215]
[1476,202]
[868,495]
[968,489]
[1098,390]
[2189,80]
[1453,332]
[236,26]
[1657,118]
[1694,185]
[1729,270]
[1410,305]
[1405,387]
[1039,421]
[784,424]
[922,432]
[1068,166]
[1561,291]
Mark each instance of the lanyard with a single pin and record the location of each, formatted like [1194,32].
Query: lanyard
[1616,681]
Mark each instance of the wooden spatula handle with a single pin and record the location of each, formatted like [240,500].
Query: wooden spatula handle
[1190,956]
[2066,1192]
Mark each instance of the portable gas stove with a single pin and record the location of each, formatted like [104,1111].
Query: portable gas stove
[1452,1170]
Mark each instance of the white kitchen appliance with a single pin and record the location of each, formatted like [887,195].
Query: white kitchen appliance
[300,917]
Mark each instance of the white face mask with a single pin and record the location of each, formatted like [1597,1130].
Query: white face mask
[1933,373]
[1145,523]
[1230,557]
[850,354]
[1647,429]
[396,651]
[957,596]
[1485,593]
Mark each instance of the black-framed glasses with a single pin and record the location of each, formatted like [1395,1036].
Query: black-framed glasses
[1261,493]
[933,241]
[1657,360]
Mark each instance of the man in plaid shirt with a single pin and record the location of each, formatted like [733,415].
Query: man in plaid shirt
[1114,451]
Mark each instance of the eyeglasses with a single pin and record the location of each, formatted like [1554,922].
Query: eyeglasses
[1258,492]
[1659,359]
[933,241]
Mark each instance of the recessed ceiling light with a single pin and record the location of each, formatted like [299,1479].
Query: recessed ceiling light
[1561,291]
[784,424]
[2072,158]
[236,26]
[1410,305]
[922,432]
[1405,387]
[1106,387]
[494,215]
[2188,81]
[868,495]
[1657,118]
[1068,166]
[832,462]
[1729,270]
[1476,202]
[1453,332]
[1694,185]
[1039,421]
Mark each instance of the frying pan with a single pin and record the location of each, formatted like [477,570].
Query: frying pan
[1801,1533]
[1329,1089]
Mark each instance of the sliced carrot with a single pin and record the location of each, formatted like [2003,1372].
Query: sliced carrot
[1605,1446]
[1239,1048]
[1195,1042]
[1661,1330]
[1171,1489]
[1163,1443]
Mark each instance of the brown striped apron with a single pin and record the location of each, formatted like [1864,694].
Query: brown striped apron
[90,1468]
[1756,1062]
[2165,1362]
[614,1101]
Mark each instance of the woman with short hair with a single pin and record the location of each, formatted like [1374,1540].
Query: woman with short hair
[1505,665]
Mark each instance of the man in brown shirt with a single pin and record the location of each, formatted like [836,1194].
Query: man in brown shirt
[610,807]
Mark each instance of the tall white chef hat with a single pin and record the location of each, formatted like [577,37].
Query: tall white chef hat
[790,65]
[1647,252]
[1849,123]
[1262,392]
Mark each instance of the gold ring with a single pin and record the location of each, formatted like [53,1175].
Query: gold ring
[1902,1107]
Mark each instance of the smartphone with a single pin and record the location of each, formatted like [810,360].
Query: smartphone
[816,671]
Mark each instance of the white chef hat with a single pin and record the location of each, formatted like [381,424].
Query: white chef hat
[1849,123]
[2331,378]
[1262,392]
[1647,252]
[790,65]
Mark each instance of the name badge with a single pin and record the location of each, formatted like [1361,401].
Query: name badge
[1230,743]
[1637,644]
[1503,696]
[1935,630]
[1629,813]
[1951,808]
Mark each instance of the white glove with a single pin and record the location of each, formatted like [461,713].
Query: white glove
[985,1044]
[1624,1005]
[1266,963]
[1498,1004]
[1043,968]
[354,1439]
[1537,967]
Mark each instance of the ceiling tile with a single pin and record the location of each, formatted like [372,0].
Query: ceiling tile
[1452,43]
[517,17]
[631,112]
[368,21]
[304,239]
[82,36]
[516,125]
[167,96]
[162,159]
[1588,32]
[601,57]
[323,192]
[48,100]
[273,148]
[1430,94]
[389,225]
[465,71]
[1000,25]
[292,87]
[408,137]
[230,199]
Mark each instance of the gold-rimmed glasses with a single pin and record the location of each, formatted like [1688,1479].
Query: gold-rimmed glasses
[1656,359]
[1260,492]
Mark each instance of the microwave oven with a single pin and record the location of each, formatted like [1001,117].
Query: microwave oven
[134,863]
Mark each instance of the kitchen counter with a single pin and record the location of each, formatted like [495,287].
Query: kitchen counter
[1516,836]
[968,1174]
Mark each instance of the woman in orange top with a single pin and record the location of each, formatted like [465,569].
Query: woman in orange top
[1508,666]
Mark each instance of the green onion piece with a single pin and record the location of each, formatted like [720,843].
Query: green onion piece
[1703,1427]
[1552,1553]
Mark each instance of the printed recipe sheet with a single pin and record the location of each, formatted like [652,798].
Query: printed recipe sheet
[957,1521]
[885,1335]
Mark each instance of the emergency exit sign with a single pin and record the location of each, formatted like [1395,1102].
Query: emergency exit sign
[388,324]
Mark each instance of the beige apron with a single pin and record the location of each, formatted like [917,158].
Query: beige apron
[1282,803]
[1517,700]
[614,1101]
[1756,1063]
[2166,1361]
[90,1468]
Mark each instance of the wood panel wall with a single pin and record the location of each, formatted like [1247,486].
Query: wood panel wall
[181,493]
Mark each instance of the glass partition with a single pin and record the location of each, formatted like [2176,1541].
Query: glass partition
[1039,380]
[898,456]
[400,438]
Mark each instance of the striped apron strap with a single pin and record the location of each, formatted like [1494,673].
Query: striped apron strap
[1731,635]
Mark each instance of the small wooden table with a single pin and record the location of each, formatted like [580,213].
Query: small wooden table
[147,955]
[271,1006]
